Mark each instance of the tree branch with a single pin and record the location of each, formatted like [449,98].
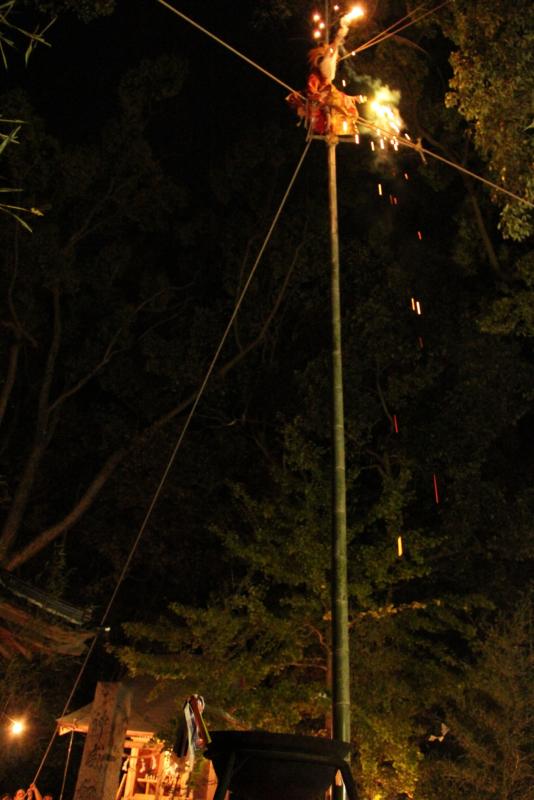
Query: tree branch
[43,433]
[390,610]
[39,542]
[47,536]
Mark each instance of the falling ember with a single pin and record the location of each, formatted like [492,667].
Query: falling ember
[380,189]
[399,546]
[357,138]
[395,201]
[372,146]
[382,144]
[317,34]
[419,235]
[322,26]
[395,424]
[420,342]
[316,17]
[418,308]
[406,176]
[345,126]
[413,303]
[436,493]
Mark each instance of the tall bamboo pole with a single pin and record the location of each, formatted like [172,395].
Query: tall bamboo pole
[340,612]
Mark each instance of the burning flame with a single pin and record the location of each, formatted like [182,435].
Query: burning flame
[384,112]
[17,727]
[357,12]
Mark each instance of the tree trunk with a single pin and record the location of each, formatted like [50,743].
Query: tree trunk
[20,500]
[10,378]
[44,430]
[39,542]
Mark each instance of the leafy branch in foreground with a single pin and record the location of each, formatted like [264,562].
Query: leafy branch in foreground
[9,32]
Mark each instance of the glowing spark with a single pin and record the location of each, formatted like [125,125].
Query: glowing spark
[16,727]
[372,146]
[420,342]
[436,493]
[383,110]
[380,189]
[336,8]
[382,145]
[419,235]
[413,303]
[418,308]
[395,424]
[317,34]
[357,138]
[316,17]
[399,546]
[343,82]
[322,26]
[407,136]
[406,176]
[345,126]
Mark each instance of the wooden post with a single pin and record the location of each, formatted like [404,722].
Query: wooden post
[98,778]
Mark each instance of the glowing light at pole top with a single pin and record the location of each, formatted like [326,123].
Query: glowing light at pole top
[355,13]
[16,727]
[381,107]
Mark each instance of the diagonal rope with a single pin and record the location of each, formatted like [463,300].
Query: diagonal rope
[228,46]
[172,458]
[378,36]
[388,32]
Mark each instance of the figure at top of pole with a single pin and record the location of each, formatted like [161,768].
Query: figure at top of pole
[323,107]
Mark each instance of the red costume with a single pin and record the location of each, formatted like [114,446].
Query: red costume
[324,108]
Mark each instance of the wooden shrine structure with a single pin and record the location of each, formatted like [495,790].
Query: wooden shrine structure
[33,622]
[121,727]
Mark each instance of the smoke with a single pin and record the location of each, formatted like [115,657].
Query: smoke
[380,108]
